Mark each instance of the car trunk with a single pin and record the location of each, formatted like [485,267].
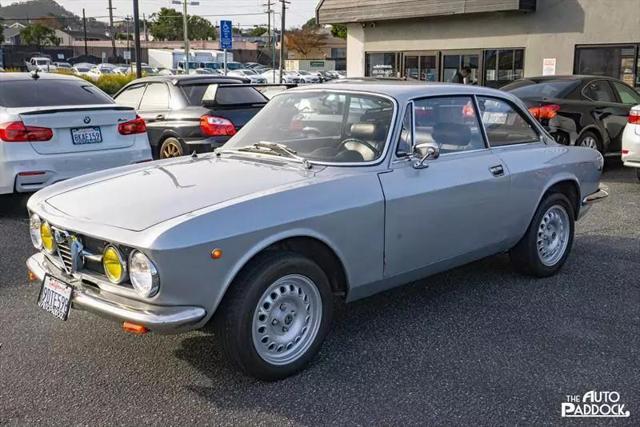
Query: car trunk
[94,127]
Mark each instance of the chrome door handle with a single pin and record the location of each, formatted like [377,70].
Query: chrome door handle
[496,170]
[160,117]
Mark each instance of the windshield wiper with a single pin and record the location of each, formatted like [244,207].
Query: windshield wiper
[278,149]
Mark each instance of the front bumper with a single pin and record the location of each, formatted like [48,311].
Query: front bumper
[588,201]
[160,319]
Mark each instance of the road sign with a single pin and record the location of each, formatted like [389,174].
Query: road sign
[226,35]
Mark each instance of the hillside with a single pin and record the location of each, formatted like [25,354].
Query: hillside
[23,10]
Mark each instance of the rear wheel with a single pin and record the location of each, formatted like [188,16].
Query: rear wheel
[545,247]
[275,316]
[170,147]
[590,140]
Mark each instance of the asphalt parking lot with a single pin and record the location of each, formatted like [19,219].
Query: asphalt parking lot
[477,345]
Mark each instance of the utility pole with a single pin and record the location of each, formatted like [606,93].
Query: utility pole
[84,23]
[136,30]
[270,42]
[144,22]
[282,26]
[112,29]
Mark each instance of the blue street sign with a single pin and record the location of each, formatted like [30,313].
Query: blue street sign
[226,35]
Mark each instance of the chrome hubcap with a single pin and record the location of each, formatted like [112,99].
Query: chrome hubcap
[553,235]
[589,142]
[287,319]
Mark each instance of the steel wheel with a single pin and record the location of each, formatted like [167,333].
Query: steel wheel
[553,235]
[170,148]
[589,142]
[286,319]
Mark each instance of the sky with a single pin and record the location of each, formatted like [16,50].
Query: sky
[298,13]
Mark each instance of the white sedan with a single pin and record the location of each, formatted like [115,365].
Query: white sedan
[631,140]
[54,127]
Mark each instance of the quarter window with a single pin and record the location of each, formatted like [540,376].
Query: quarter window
[156,97]
[599,90]
[450,122]
[503,124]
[131,96]
[626,94]
[405,145]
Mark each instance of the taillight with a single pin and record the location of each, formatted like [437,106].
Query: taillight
[545,112]
[18,132]
[133,127]
[216,126]
[634,116]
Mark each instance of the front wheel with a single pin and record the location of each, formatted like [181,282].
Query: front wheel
[275,316]
[546,245]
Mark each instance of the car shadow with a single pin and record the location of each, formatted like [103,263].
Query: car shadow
[14,205]
[478,330]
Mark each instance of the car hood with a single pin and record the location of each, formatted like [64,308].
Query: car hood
[139,199]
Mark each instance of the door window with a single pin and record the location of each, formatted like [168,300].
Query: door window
[626,94]
[131,96]
[155,98]
[504,124]
[599,90]
[450,122]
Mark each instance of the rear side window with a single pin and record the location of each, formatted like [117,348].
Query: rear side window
[626,94]
[599,90]
[156,97]
[50,92]
[504,124]
[131,96]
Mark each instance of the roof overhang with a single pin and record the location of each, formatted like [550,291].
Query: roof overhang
[348,11]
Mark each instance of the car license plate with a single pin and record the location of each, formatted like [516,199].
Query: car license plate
[81,136]
[55,297]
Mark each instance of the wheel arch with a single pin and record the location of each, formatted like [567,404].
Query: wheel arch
[305,242]
[604,137]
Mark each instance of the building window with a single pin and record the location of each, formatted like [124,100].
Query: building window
[381,64]
[502,66]
[620,62]
[338,53]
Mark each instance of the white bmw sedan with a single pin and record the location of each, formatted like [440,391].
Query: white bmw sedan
[54,127]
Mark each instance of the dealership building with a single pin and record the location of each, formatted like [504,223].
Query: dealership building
[500,40]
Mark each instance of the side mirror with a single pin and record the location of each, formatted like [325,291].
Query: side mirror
[423,152]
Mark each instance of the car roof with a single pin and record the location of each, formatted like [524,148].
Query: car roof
[576,77]
[403,90]
[41,76]
[182,80]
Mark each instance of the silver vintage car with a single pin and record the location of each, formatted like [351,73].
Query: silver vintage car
[344,190]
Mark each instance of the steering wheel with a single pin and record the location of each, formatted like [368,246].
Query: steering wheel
[367,144]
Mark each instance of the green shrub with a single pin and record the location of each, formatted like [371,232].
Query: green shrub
[111,83]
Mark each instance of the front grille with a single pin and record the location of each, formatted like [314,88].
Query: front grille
[64,250]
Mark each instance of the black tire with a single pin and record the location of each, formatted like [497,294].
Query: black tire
[233,321]
[585,140]
[525,255]
[170,147]
[638,173]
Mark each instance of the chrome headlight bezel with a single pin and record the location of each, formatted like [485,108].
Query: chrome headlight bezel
[146,287]
[35,222]
[121,261]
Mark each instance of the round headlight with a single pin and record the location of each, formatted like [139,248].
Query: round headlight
[114,267]
[143,274]
[34,229]
[46,235]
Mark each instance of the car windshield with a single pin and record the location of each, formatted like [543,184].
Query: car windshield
[331,127]
[541,89]
[50,92]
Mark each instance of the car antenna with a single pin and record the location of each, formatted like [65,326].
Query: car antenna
[35,75]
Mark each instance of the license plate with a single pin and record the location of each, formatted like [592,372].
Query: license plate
[55,297]
[81,136]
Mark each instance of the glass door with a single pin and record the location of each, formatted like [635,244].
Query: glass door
[420,66]
[454,65]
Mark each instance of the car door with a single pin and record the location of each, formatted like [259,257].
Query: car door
[154,109]
[451,211]
[608,110]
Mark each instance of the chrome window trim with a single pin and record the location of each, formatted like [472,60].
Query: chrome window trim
[517,109]
[613,101]
[392,128]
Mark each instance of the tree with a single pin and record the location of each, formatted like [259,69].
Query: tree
[311,24]
[305,40]
[167,25]
[339,30]
[49,21]
[258,31]
[39,35]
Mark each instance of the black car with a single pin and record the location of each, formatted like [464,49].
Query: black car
[590,111]
[191,113]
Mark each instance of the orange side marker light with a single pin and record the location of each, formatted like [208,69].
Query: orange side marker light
[31,276]
[216,253]
[133,328]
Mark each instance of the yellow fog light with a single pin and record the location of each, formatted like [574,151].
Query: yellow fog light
[114,267]
[46,235]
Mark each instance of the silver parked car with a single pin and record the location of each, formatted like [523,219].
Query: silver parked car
[335,190]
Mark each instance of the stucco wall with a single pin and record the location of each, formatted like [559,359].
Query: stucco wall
[550,32]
